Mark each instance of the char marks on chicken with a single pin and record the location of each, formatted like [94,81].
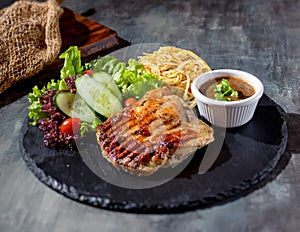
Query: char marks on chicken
[158,131]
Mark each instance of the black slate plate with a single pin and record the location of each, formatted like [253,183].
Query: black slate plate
[248,154]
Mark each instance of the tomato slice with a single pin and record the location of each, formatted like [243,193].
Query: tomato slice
[129,102]
[89,72]
[70,126]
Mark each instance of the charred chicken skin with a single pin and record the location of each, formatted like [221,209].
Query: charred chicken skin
[158,131]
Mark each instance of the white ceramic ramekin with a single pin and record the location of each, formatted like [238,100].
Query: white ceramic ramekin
[222,113]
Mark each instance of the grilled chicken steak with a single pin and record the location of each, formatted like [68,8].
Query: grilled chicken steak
[159,130]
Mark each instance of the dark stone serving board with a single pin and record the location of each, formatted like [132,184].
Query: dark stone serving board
[249,153]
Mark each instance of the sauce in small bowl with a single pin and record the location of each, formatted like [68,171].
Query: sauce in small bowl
[235,111]
[243,88]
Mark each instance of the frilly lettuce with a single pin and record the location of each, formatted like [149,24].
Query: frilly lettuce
[132,79]
[72,67]
[35,109]
[72,64]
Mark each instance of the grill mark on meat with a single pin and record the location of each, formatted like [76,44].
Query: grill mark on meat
[147,135]
[137,155]
[111,148]
[129,146]
[168,143]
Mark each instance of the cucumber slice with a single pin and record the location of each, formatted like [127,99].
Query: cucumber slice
[97,96]
[106,80]
[74,106]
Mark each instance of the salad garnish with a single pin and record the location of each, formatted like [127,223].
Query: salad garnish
[132,79]
[86,94]
[223,90]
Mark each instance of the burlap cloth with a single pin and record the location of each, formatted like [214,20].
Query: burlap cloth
[29,39]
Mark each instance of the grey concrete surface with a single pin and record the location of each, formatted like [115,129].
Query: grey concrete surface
[261,37]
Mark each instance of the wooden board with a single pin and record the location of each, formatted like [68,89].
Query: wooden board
[90,36]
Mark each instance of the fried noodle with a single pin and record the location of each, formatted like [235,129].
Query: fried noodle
[177,67]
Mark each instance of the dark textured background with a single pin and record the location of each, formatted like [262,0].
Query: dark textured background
[261,37]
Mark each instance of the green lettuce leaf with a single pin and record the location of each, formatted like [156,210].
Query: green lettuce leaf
[72,64]
[140,88]
[89,127]
[72,67]
[35,109]
[132,79]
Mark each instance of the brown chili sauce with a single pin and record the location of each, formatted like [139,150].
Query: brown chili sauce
[243,88]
